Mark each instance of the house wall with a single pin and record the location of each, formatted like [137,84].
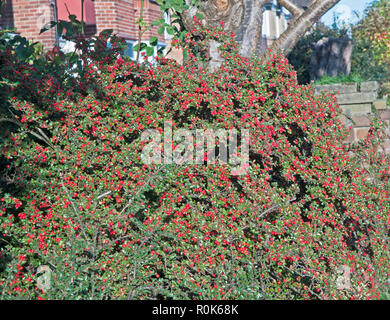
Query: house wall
[29,16]
[7,20]
[64,7]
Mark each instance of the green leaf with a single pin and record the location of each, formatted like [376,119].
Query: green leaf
[73,18]
[161,30]
[153,41]
[150,51]
[185,53]
[170,30]
[143,46]
[182,35]
[48,26]
[106,32]
[139,47]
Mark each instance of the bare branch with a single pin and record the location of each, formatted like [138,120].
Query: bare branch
[9,120]
[301,24]
[292,7]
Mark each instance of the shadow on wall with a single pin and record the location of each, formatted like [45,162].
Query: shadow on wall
[7,15]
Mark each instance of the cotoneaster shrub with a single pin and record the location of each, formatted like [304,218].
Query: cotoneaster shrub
[78,199]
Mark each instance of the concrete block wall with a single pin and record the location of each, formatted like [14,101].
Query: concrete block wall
[359,103]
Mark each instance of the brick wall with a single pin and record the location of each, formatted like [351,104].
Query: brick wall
[29,16]
[151,12]
[105,15]
[121,16]
[359,104]
[125,18]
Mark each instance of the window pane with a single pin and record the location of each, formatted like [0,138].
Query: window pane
[129,51]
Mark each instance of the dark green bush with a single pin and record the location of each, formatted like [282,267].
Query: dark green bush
[78,198]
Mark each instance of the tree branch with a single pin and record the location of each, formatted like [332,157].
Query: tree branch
[292,7]
[301,24]
[41,136]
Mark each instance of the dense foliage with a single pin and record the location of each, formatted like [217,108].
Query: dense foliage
[77,198]
[372,41]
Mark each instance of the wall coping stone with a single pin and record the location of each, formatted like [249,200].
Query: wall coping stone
[338,87]
[369,86]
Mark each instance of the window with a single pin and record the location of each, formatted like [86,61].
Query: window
[64,7]
[129,52]
[161,47]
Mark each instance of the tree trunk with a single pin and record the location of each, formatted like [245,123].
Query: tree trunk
[245,18]
[250,42]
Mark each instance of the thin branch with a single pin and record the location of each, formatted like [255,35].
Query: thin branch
[10,120]
[140,29]
[75,211]
[139,191]
[82,17]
